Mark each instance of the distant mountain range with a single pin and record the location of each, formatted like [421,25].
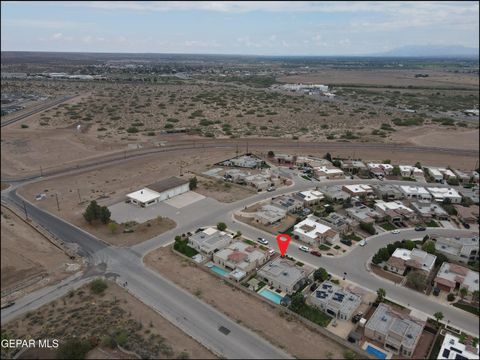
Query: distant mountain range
[448,51]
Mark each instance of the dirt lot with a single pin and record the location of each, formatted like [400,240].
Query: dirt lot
[83,314]
[276,228]
[28,258]
[221,190]
[387,274]
[429,136]
[256,314]
[110,185]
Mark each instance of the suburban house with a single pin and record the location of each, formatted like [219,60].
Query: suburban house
[285,159]
[453,277]
[209,240]
[291,203]
[410,171]
[441,193]
[439,174]
[471,193]
[237,176]
[397,332]
[463,177]
[380,169]
[283,274]
[454,348]
[468,214]
[335,193]
[159,191]
[310,197]
[335,301]
[338,222]
[430,210]
[245,161]
[240,256]
[363,214]
[418,193]
[388,192]
[395,210]
[328,172]
[461,249]
[403,259]
[358,190]
[270,214]
[259,181]
[354,167]
[313,232]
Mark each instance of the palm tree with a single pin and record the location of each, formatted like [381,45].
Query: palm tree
[381,293]
[438,316]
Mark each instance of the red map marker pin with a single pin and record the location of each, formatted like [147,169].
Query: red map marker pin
[283,240]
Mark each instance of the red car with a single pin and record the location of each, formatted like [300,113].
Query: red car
[316,253]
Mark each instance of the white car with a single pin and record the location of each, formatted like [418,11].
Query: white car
[262,241]
[271,252]
[395,231]
[304,248]
[362,243]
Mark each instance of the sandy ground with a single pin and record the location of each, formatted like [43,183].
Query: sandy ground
[26,254]
[258,315]
[385,77]
[429,136]
[117,308]
[221,191]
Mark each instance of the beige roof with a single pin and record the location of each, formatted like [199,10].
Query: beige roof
[167,184]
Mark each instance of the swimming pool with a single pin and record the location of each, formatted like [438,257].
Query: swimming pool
[219,270]
[375,352]
[272,296]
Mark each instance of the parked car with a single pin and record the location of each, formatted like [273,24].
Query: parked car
[316,253]
[271,252]
[347,242]
[304,248]
[466,225]
[362,243]
[420,228]
[395,231]
[263,241]
[271,188]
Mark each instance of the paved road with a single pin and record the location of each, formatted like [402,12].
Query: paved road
[36,110]
[193,316]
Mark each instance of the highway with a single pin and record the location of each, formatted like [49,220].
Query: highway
[192,315]
[36,110]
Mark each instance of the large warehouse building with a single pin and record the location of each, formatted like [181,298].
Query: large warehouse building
[159,191]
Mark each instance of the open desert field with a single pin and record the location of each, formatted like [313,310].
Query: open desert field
[29,260]
[115,313]
[251,312]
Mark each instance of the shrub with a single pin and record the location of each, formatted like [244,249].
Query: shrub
[98,286]
[73,349]
[221,226]
[24,126]
[132,130]
[451,297]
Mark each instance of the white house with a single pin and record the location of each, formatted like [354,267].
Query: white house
[418,193]
[441,193]
[241,256]
[313,232]
[311,197]
[395,209]
[209,240]
[358,190]
[328,172]
[159,191]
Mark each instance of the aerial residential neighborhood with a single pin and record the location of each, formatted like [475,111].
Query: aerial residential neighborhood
[240,180]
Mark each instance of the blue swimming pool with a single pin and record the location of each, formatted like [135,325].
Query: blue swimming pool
[375,352]
[219,270]
[272,296]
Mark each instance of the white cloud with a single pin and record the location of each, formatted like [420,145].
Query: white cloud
[43,24]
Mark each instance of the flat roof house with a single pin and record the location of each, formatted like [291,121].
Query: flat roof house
[310,197]
[397,332]
[363,214]
[453,276]
[335,193]
[358,190]
[395,210]
[241,256]
[468,214]
[418,193]
[380,169]
[335,301]
[453,348]
[290,203]
[270,214]
[388,192]
[313,232]
[328,172]
[283,274]
[429,210]
[209,240]
[159,191]
[441,193]
[461,249]
[353,166]
[403,259]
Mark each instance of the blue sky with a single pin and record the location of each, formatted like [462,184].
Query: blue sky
[262,28]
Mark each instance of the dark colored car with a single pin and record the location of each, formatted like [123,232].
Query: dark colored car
[420,228]
[466,225]
[316,253]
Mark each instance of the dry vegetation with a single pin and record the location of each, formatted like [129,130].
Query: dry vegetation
[116,315]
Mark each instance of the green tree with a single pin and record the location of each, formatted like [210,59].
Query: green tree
[475,295]
[328,156]
[298,301]
[221,226]
[369,228]
[409,244]
[384,254]
[349,354]
[73,349]
[418,165]
[438,316]
[451,297]
[271,154]
[98,286]
[381,293]
[193,183]
[112,226]
[91,212]
[396,170]
[463,292]
[417,280]
[104,215]
[388,161]
[320,274]
[429,247]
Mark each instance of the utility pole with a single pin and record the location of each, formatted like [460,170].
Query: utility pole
[25,209]
[41,170]
[79,198]
[58,205]
[247,147]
